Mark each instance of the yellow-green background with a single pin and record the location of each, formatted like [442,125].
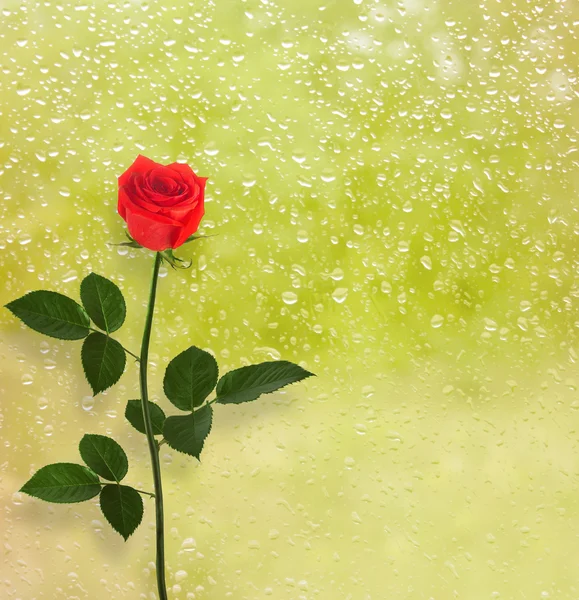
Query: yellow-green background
[393,187]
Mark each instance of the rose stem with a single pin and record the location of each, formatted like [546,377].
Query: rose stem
[153,446]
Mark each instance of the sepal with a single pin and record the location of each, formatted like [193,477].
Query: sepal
[174,261]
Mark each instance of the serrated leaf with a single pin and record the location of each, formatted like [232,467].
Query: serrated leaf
[248,383]
[52,314]
[63,483]
[103,301]
[187,433]
[190,377]
[134,415]
[122,507]
[103,360]
[104,456]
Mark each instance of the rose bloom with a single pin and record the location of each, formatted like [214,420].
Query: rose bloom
[161,204]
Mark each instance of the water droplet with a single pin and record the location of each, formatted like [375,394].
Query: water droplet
[437,321]
[327,176]
[303,236]
[70,276]
[349,462]
[87,403]
[458,227]
[188,545]
[360,429]
[490,325]
[368,391]
[289,298]
[299,157]
[340,295]
[426,262]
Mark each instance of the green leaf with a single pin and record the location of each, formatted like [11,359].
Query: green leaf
[190,377]
[134,415]
[187,433]
[62,483]
[104,456]
[52,314]
[103,360]
[248,383]
[122,507]
[103,301]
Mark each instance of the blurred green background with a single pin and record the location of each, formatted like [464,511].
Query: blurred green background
[393,187]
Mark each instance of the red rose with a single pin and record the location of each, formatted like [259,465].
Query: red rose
[162,205]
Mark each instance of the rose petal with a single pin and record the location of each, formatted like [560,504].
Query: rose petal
[182,200]
[153,231]
[192,224]
[183,169]
[121,203]
[179,213]
[178,209]
[131,206]
[141,165]
[162,171]
[165,185]
[142,196]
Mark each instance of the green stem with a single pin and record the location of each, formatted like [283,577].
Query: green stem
[129,352]
[136,490]
[105,333]
[153,447]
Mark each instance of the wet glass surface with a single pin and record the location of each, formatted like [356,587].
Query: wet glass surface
[393,191]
